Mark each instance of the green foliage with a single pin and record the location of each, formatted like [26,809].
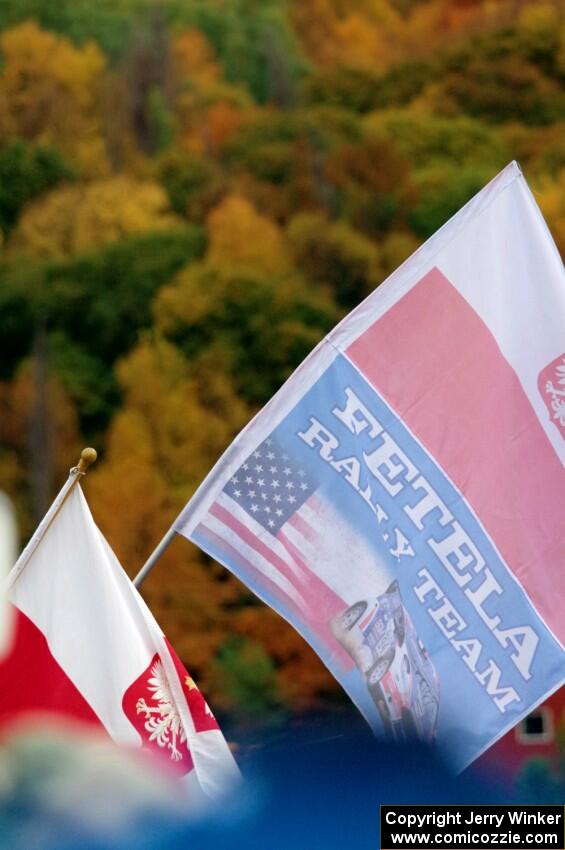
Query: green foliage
[18,312]
[540,150]
[508,75]
[288,154]
[253,41]
[193,183]
[89,381]
[26,171]
[503,77]
[337,254]
[159,119]
[506,92]
[110,293]
[107,22]
[443,191]
[424,138]
[230,200]
[372,183]
[248,678]
[260,327]
[403,82]
[348,88]
[95,308]
[266,146]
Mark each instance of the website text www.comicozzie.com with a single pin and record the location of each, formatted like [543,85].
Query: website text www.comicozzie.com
[477,839]
[458,827]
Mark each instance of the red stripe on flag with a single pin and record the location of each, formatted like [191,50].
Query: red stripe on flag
[323,604]
[303,528]
[254,542]
[33,681]
[439,367]
[323,601]
[245,565]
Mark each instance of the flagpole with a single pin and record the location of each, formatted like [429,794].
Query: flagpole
[154,557]
[87,458]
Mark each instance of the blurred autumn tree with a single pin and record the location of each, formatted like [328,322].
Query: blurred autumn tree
[191,195]
[51,94]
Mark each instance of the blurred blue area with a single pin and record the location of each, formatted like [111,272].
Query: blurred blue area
[315,784]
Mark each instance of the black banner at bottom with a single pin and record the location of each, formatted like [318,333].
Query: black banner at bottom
[476,827]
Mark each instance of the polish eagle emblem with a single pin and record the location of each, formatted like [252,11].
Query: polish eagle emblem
[551,383]
[162,719]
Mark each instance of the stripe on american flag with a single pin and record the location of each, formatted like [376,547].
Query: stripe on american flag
[223,521]
[278,563]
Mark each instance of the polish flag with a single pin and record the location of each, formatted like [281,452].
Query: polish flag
[8,553]
[86,648]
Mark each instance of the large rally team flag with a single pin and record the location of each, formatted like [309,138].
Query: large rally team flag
[401,499]
[87,647]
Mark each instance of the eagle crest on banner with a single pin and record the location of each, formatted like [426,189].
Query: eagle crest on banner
[152,709]
[162,719]
[551,383]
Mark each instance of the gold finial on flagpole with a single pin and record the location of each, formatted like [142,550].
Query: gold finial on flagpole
[87,458]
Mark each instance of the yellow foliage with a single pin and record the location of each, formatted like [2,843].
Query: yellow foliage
[189,413]
[240,236]
[551,198]
[360,44]
[175,422]
[194,60]
[396,247]
[359,34]
[543,24]
[75,218]
[134,525]
[65,444]
[131,502]
[539,20]
[50,93]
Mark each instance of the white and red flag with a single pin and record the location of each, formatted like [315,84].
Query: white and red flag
[400,500]
[8,551]
[87,648]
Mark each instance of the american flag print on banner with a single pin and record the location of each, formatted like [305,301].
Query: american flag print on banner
[271,521]
[261,504]
[400,500]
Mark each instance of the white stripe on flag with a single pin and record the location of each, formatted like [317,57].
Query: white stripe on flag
[75,563]
[350,566]
[253,557]
[258,531]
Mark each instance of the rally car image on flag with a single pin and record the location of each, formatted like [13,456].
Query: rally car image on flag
[382,640]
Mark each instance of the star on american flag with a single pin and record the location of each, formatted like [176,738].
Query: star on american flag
[272,511]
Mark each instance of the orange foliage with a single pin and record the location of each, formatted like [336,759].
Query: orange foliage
[193,60]
[207,109]
[222,120]
[372,34]
[301,675]
[17,407]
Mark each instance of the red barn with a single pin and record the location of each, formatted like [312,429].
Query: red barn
[533,736]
